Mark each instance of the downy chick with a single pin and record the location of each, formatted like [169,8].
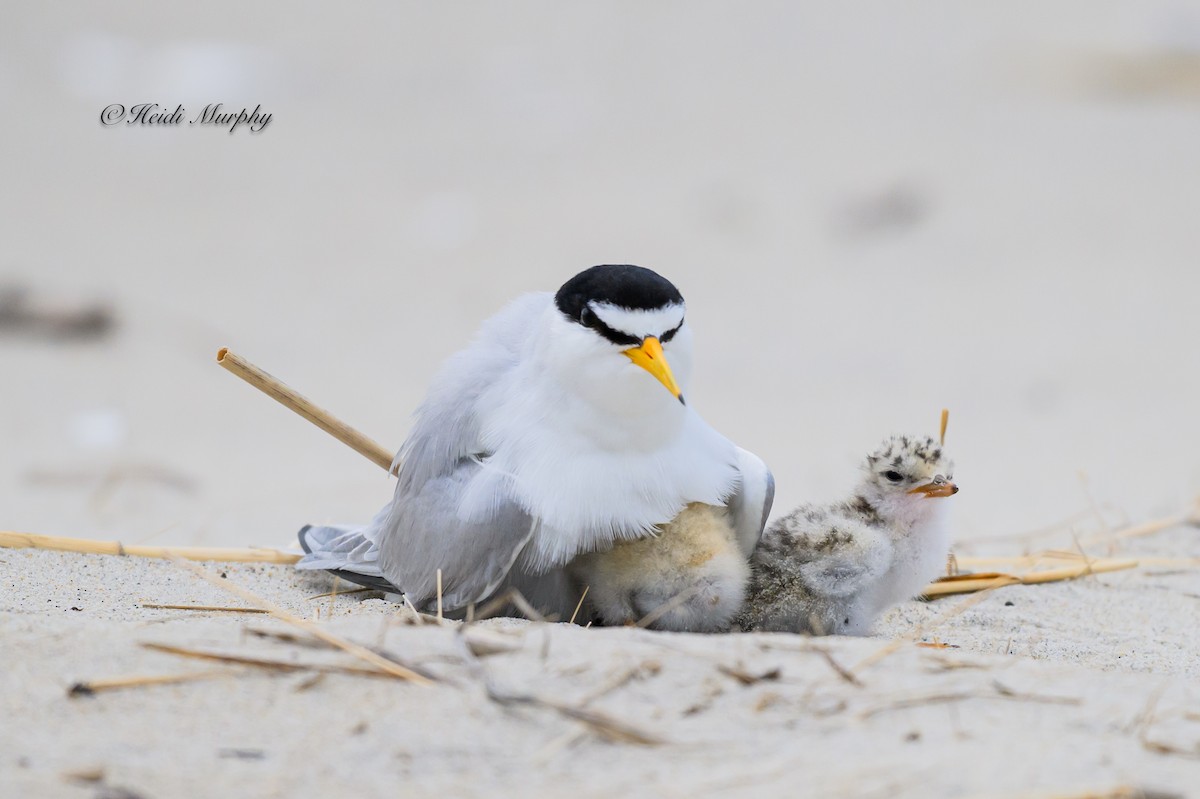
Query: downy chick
[692,572]
[833,569]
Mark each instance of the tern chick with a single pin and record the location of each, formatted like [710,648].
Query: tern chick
[691,576]
[833,569]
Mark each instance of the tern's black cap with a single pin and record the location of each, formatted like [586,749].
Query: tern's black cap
[622,285]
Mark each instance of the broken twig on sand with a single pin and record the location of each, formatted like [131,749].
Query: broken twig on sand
[262,663]
[388,665]
[92,687]
[970,583]
[292,400]
[202,608]
[14,540]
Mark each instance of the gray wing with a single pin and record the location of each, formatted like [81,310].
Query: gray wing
[417,534]
[446,428]
[751,505]
[423,532]
[444,462]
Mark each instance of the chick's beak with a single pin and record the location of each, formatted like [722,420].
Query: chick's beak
[938,488]
[650,357]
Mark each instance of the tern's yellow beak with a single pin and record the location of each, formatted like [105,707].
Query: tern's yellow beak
[650,357]
[935,489]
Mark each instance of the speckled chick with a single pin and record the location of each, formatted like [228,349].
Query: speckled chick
[692,572]
[833,569]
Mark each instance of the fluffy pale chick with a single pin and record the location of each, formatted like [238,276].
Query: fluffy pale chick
[833,569]
[560,430]
[690,576]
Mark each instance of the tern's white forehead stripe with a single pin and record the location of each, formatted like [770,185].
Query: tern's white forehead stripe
[639,322]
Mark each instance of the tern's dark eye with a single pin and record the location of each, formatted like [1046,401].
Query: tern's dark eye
[893,475]
[589,319]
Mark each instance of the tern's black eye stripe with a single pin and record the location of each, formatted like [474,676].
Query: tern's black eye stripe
[589,319]
[670,334]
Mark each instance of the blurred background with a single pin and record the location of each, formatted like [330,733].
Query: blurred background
[874,212]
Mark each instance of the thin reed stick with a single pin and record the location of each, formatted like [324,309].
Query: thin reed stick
[439,595]
[344,593]
[202,608]
[667,607]
[388,665]
[14,540]
[967,584]
[582,597]
[262,663]
[333,596]
[141,681]
[290,399]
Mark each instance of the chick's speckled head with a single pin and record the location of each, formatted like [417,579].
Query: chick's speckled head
[908,471]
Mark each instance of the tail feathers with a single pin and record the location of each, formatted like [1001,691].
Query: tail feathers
[349,548]
[345,552]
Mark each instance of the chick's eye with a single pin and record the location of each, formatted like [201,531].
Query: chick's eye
[893,475]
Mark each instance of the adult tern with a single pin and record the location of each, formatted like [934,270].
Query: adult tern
[562,429]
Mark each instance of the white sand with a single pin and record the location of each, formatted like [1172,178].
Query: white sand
[1045,690]
[874,211]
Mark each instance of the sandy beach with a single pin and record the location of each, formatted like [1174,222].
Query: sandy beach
[1086,688]
[873,212]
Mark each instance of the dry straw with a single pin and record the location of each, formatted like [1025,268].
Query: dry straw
[388,665]
[262,663]
[92,687]
[15,540]
[292,400]
[970,583]
[203,608]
